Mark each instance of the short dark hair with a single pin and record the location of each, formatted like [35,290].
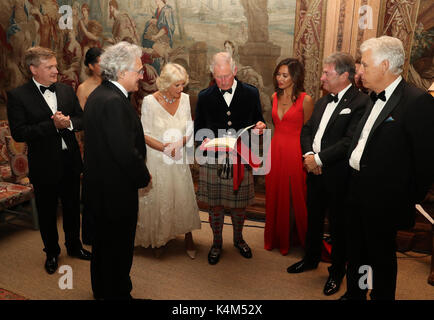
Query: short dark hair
[296,71]
[92,56]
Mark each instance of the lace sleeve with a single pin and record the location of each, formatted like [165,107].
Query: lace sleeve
[147,117]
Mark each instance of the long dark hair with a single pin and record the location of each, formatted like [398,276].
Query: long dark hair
[296,71]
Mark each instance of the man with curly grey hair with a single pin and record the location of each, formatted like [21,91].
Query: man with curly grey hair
[114,170]
[391,158]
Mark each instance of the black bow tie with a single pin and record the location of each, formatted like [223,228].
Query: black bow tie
[229,90]
[381,96]
[333,98]
[52,88]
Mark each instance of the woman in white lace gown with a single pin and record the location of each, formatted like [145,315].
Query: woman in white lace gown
[168,207]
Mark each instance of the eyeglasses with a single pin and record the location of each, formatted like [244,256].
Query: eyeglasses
[141,71]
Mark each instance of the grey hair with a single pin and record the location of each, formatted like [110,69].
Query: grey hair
[117,58]
[386,48]
[221,58]
[171,73]
[343,62]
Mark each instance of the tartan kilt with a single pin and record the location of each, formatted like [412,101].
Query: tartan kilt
[220,192]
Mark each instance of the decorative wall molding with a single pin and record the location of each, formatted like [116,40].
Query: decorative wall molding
[309,41]
[341,19]
[398,19]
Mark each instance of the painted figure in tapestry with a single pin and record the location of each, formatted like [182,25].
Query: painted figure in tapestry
[158,33]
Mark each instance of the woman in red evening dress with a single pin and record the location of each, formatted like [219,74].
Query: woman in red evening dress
[286,213]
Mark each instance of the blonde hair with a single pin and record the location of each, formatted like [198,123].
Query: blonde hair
[34,55]
[171,73]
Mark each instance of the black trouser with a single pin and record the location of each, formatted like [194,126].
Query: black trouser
[320,200]
[47,196]
[112,250]
[371,244]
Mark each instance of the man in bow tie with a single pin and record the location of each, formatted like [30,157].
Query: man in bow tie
[325,140]
[227,105]
[45,114]
[391,158]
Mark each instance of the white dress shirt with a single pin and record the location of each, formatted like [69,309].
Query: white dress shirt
[228,96]
[51,99]
[330,108]
[357,153]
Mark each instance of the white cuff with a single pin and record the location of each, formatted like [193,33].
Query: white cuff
[318,160]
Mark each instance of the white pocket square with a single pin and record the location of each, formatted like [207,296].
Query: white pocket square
[345,111]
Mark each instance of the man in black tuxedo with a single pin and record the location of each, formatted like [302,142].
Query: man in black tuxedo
[391,157]
[325,140]
[229,105]
[114,170]
[45,114]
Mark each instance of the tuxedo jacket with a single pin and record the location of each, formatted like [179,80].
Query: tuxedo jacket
[114,154]
[212,110]
[396,168]
[338,132]
[30,121]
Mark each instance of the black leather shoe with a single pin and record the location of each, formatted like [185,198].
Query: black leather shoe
[244,249]
[51,264]
[332,285]
[214,255]
[301,266]
[82,254]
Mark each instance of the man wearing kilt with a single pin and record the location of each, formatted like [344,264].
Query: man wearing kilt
[228,105]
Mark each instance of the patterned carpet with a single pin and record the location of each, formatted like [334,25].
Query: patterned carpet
[7,295]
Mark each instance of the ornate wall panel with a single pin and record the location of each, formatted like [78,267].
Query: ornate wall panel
[341,19]
[309,41]
[421,67]
[398,19]
[331,27]
[363,24]
[349,23]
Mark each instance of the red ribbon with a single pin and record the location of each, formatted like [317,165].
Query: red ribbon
[243,152]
